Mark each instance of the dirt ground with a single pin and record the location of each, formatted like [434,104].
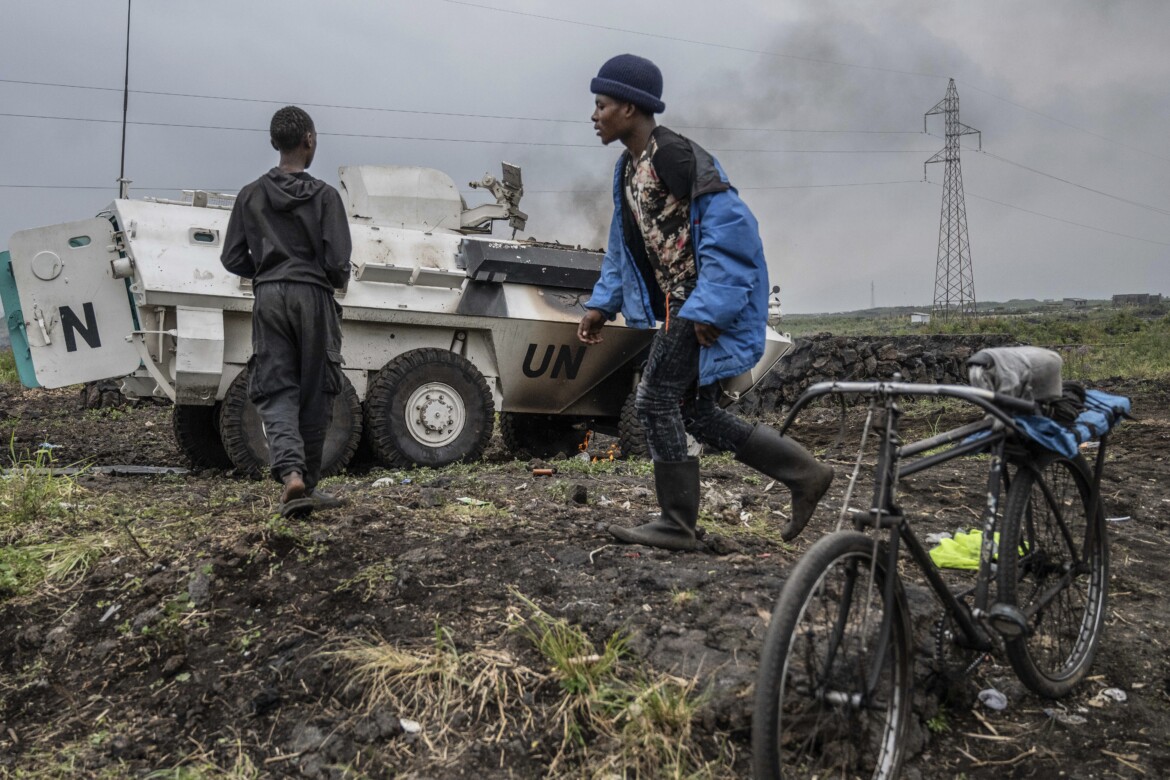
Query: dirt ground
[200,635]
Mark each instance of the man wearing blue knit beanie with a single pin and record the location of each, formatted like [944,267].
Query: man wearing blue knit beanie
[685,250]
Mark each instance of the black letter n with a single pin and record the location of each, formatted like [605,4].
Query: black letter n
[88,331]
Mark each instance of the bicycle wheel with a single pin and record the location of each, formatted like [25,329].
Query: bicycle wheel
[1058,575]
[832,696]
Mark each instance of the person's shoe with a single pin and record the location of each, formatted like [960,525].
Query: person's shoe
[677,486]
[323,500]
[297,508]
[782,459]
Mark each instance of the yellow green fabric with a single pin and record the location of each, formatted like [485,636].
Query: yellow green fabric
[960,552]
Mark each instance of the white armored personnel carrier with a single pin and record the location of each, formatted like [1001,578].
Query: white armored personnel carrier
[443,325]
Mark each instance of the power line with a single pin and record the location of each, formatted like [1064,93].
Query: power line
[450,140]
[1065,221]
[1075,184]
[454,114]
[1069,125]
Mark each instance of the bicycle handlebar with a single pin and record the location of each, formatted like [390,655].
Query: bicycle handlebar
[998,405]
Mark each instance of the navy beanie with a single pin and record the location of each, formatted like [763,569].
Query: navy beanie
[633,79]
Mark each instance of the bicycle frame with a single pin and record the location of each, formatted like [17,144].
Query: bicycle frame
[996,434]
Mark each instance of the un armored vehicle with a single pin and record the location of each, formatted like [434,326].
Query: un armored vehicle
[444,325]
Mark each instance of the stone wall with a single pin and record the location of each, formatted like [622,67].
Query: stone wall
[824,357]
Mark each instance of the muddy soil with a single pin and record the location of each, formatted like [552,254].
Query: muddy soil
[200,635]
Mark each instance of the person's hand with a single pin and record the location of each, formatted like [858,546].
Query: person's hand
[706,334]
[589,329]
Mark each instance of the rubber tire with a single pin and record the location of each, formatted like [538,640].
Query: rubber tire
[631,434]
[197,434]
[791,624]
[387,425]
[540,435]
[242,430]
[1080,609]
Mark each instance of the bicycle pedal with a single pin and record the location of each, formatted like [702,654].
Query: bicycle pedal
[1007,620]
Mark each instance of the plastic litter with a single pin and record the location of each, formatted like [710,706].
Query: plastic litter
[410,726]
[383,482]
[471,501]
[1114,693]
[1117,519]
[993,699]
[938,537]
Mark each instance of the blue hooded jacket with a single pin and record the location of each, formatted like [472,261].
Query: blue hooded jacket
[732,290]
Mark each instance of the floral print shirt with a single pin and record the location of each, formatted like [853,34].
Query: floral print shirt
[664,221]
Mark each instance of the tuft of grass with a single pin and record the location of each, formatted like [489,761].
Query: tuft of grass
[369,580]
[32,492]
[24,567]
[653,720]
[9,376]
[576,663]
[432,685]
[617,720]
[202,765]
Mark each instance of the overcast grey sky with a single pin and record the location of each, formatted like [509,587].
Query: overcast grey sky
[814,107]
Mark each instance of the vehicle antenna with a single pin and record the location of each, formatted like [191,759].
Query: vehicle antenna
[123,182]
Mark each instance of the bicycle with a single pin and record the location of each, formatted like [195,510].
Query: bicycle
[833,693]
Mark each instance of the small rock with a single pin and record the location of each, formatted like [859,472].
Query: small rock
[57,641]
[580,494]
[103,648]
[199,588]
[145,618]
[173,665]
[993,699]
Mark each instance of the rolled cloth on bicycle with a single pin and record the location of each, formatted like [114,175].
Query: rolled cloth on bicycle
[1031,373]
[1102,412]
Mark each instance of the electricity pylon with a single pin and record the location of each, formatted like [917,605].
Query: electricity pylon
[954,282]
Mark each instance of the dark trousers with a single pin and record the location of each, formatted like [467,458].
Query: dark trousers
[670,403]
[295,373]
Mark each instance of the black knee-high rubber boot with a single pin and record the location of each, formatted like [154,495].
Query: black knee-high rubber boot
[782,459]
[677,486]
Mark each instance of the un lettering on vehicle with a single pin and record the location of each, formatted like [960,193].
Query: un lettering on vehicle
[553,361]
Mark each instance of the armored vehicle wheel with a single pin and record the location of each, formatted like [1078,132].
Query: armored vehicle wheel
[197,435]
[631,435]
[540,435]
[242,430]
[428,407]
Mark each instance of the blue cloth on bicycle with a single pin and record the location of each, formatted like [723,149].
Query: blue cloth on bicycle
[1113,406]
[1048,433]
[1102,412]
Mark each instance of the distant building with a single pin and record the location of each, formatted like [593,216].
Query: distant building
[1076,303]
[1137,299]
[919,318]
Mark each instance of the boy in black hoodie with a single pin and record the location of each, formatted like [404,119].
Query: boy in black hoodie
[288,233]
